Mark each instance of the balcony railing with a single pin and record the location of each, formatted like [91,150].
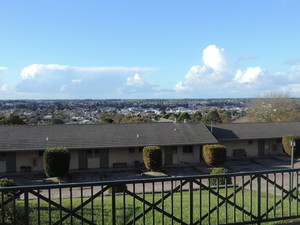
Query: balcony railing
[236,198]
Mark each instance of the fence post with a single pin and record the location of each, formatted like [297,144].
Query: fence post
[26,206]
[258,196]
[191,201]
[113,204]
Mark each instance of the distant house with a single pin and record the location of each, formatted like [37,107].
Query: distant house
[120,145]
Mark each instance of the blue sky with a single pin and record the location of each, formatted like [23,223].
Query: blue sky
[148,49]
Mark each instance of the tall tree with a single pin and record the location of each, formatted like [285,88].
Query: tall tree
[275,107]
[197,116]
[184,116]
[212,117]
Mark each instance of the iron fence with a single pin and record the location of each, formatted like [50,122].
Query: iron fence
[235,198]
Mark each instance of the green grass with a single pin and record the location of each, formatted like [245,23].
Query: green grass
[127,208]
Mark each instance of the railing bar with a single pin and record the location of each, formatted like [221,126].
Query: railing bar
[251,198]
[49,196]
[181,216]
[243,198]
[144,206]
[71,204]
[81,202]
[191,201]
[226,201]
[267,197]
[172,202]
[102,205]
[26,203]
[162,203]
[218,201]
[209,188]
[124,207]
[92,203]
[258,199]
[134,204]
[2,206]
[153,202]
[275,177]
[282,203]
[60,203]
[297,193]
[234,199]
[113,204]
[14,206]
[200,200]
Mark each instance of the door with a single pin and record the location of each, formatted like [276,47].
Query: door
[261,147]
[82,159]
[11,162]
[103,158]
[168,155]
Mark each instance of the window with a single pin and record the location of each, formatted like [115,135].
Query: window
[3,156]
[141,149]
[188,149]
[41,153]
[278,140]
[131,150]
[250,142]
[90,153]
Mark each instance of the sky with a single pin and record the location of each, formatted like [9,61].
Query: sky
[134,49]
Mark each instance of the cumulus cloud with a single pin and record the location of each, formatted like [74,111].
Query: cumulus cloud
[212,71]
[61,81]
[249,76]
[2,69]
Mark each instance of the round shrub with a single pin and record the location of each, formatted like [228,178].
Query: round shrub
[286,143]
[4,182]
[56,162]
[219,180]
[152,157]
[214,155]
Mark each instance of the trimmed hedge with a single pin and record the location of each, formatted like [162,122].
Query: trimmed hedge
[219,180]
[214,155]
[152,157]
[286,143]
[56,162]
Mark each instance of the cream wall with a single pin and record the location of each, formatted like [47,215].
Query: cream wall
[181,157]
[2,166]
[26,158]
[122,155]
[74,159]
[272,147]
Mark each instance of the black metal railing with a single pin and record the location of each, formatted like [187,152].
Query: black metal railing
[235,198]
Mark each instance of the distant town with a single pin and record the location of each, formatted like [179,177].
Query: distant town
[46,112]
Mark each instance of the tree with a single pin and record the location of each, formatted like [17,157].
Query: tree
[152,157]
[212,117]
[275,107]
[197,116]
[57,121]
[184,116]
[11,119]
[56,162]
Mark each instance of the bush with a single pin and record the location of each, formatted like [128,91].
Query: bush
[219,180]
[214,155]
[13,214]
[152,157]
[56,162]
[286,143]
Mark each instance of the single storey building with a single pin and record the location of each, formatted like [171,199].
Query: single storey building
[120,145]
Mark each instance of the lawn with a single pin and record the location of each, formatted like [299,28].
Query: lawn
[127,208]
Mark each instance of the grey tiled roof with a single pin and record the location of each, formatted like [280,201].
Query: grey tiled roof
[26,137]
[235,131]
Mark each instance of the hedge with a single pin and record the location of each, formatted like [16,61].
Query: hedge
[214,155]
[152,157]
[56,162]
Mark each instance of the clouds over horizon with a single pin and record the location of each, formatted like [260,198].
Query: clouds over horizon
[63,81]
[218,77]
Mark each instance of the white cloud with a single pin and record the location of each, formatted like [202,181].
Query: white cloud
[214,58]
[61,81]
[2,68]
[213,71]
[135,80]
[249,76]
